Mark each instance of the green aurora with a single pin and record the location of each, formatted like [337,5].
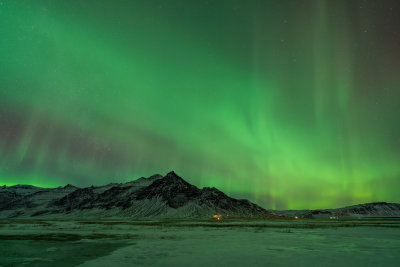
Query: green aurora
[291,104]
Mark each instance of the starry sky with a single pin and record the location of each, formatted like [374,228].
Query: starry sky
[290,104]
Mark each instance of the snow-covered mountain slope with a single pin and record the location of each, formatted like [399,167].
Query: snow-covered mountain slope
[156,196]
[375,209]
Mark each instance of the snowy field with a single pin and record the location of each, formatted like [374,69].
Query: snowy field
[368,242]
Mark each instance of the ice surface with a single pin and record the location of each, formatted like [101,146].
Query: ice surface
[200,243]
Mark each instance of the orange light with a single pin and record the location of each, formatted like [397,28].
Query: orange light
[217,216]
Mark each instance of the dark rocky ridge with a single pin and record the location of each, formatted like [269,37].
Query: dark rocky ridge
[156,196]
[374,209]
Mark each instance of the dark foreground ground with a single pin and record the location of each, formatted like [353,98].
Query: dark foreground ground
[367,242]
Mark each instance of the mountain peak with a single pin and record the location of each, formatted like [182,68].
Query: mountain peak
[172,174]
[173,178]
[70,186]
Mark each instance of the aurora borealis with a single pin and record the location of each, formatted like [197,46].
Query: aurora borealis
[291,104]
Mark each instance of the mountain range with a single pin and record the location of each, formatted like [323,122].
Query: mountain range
[368,210]
[154,197]
[157,196]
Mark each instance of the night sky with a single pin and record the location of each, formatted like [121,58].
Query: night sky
[291,104]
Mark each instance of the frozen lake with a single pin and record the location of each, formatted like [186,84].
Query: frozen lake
[368,242]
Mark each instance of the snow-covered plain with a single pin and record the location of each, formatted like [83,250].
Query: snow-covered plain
[368,242]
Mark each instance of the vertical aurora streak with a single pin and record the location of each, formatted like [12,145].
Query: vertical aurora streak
[292,104]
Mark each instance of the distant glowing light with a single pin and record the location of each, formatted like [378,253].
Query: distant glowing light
[217,216]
